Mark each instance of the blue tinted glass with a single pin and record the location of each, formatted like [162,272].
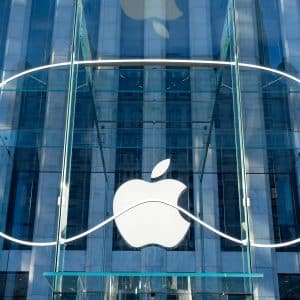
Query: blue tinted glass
[129,112]
[229,212]
[281,163]
[179,139]
[81,166]
[132,37]
[289,286]
[284,195]
[4,17]
[92,20]
[218,14]
[13,285]
[177,45]
[129,134]
[268,22]
[23,190]
[40,34]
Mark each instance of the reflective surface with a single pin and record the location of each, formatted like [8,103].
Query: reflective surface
[71,135]
[152,285]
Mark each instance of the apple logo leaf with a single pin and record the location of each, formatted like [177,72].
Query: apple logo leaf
[160,169]
[161,29]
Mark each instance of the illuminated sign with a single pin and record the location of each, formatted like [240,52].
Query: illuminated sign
[153,222]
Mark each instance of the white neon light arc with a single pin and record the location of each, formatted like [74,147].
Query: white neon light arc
[112,218]
[150,62]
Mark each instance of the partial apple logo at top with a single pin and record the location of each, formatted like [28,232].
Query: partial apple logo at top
[156,10]
[151,222]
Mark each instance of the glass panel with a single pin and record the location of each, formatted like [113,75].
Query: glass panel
[122,120]
[31,168]
[32,114]
[72,134]
[270,137]
[177,29]
[270,127]
[289,286]
[32,107]
[151,285]
[4,16]
[178,105]
[13,285]
[274,138]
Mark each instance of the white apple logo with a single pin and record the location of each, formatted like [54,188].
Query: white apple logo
[152,9]
[152,222]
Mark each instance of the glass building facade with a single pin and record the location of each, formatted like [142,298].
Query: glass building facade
[94,93]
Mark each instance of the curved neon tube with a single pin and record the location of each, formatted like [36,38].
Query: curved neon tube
[110,219]
[149,62]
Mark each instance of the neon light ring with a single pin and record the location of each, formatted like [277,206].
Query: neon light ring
[150,62]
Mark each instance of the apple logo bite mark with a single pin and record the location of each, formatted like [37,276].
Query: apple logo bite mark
[151,222]
[157,10]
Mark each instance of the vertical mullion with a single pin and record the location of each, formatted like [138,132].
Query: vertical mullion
[240,145]
[63,200]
